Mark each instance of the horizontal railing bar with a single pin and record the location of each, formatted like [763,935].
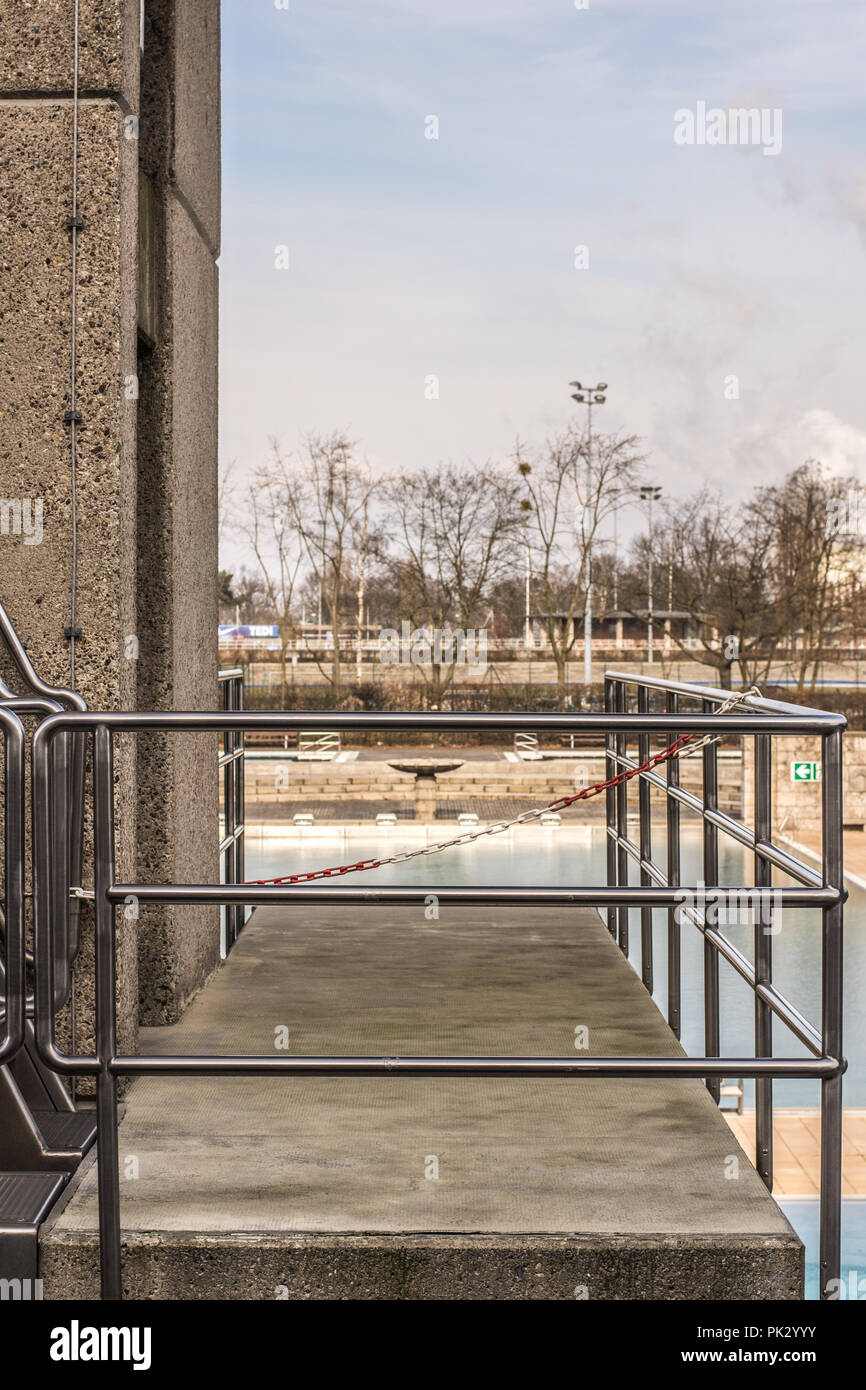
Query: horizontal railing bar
[479,1066]
[741,833]
[230,839]
[232,757]
[781,1006]
[706,692]
[788,864]
[348,720]
[808,1034]
[233,674]
[622,896]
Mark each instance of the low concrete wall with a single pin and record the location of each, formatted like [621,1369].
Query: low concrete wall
[798,804]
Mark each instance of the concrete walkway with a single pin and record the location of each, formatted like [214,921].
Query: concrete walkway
[430,1188]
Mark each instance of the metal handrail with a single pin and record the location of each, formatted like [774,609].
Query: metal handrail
[12,1019]
[106,1064]
[42,698]
[823,1042]
[314,745]
[231,760]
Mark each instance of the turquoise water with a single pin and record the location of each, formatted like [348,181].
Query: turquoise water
[803,1216]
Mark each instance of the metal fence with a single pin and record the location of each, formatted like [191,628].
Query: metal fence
[40,699]
[826,889]
[617,727]
[231,760]
[12,991]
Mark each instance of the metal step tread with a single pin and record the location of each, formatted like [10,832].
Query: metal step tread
[66,1129]
[27,1198]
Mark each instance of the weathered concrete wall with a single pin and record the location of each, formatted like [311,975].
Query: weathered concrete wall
[36,148]
[177,496]
[146,468]
[798,804]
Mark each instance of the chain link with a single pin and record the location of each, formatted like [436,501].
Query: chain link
[683,747]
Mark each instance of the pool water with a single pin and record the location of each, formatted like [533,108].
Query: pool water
[803,1216]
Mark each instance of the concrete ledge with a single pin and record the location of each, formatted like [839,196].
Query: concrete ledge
[441,1187]
[189,1266]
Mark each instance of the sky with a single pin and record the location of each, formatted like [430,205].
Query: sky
[723,299]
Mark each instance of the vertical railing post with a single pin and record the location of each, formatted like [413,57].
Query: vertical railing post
[711,879]
[60,857]
[673,875]
[764,927]
[12,1030]
[240,800]
[645,808]
[831,1018]
[610,805]
[621,820]
[231,828]
[229,810]
[106,1015]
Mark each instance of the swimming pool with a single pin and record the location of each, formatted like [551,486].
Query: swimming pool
[803,1216]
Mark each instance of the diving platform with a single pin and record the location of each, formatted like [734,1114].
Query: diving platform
[443,1187]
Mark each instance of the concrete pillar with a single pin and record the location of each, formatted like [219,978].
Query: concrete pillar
[36,162]
[146,468]
[177,487]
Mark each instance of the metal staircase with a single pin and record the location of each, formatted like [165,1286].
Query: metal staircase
[43,1134]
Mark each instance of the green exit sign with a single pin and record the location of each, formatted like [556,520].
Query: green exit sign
[805,772]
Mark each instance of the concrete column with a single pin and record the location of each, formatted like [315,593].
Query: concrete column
[146,445]
[36,180]
[177,487]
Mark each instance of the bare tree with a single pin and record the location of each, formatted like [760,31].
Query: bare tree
[268,526]
[328,496]
[812,563]
[570,487]
[454,532]
[717,559]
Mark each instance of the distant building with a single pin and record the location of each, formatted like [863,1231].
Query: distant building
[618,627]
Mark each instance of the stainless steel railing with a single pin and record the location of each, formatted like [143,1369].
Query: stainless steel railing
[822,1042]
[12,978]
[231,760]
[39,698]
[658,889]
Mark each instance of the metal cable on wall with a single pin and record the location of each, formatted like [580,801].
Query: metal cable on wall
[74,420]
[73,416]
